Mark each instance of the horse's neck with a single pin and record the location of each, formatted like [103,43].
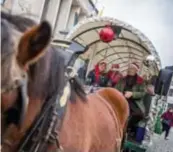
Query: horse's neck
[73,113]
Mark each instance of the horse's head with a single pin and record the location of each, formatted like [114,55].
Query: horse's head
[19,49]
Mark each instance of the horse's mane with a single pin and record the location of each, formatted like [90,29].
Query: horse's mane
[47,74]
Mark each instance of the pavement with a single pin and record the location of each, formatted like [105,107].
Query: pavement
[162,145]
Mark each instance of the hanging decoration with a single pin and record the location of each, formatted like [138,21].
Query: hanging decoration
[107,34]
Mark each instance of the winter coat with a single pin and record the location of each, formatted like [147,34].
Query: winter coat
[138,91]
[168,116]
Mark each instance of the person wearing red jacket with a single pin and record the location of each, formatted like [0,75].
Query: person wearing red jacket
[167,121]
[98,75]
[114,75]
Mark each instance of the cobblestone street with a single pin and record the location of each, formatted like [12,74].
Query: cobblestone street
[161,145]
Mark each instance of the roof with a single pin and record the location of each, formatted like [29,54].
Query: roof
[130,46]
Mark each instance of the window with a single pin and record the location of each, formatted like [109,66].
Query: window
[76,18]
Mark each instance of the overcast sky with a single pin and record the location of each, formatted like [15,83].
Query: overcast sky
[154,18]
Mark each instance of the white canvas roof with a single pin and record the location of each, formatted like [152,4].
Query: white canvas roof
[130,46]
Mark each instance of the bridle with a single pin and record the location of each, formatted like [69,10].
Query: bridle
[21,85]
[44,130]
[16,84]
[48,121]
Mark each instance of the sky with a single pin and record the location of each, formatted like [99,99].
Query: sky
[154,18]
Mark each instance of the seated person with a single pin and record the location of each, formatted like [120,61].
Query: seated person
[114,75]
[98,76]
[133,88]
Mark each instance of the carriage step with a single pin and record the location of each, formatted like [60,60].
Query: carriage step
[133,147]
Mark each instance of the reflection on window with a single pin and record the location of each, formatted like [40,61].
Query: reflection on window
[171,92]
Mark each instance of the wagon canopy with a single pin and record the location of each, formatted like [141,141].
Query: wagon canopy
[129,46]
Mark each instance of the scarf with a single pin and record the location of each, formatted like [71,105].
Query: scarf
[97,73]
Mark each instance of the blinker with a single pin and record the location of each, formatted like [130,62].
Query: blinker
[23,101]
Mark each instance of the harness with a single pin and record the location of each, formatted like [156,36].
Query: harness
[45,128]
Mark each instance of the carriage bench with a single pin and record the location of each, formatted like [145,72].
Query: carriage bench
[133,147]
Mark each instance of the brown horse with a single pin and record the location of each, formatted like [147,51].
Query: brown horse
[94,125]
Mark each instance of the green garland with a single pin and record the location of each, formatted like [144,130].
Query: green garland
[158,124]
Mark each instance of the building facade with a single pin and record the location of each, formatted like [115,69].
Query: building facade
[62,14]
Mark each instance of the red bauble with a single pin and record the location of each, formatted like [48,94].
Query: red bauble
[106,34]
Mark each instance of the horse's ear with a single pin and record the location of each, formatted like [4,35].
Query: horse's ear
[33,43]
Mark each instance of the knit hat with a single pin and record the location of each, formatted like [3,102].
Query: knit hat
[103,63]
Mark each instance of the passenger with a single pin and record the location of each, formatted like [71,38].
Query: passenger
[167,122]
[98,76]
[133,88]
[114,75]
